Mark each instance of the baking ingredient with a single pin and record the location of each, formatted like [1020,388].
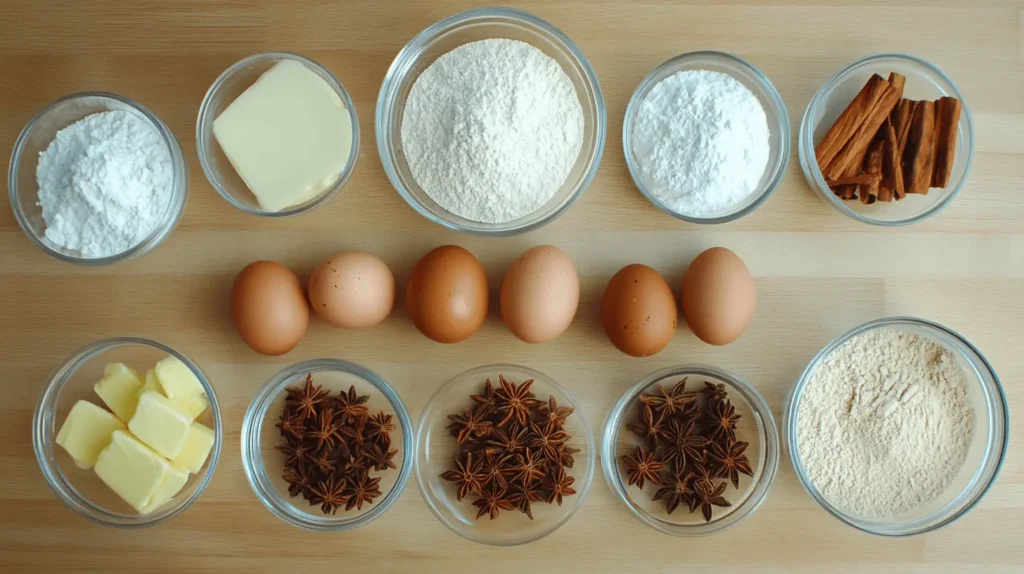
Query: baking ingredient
[352,290]
[192,406]
[638,311]
[176,379]
[540,294]
[289,135]
[513,450]
[131,469]
[718,296]
[119,388]
[198,444]
[104,183]
[158,424]
[689,448]
[492,129]
[86,431]
[884,423]
[446,296]
[173,481]
[269,308]
[701,142]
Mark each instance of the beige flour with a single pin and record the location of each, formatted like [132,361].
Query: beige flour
[884,423]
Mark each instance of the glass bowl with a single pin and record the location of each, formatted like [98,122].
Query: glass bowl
[924,82]
[36,136]
[218,169]
[435,449]
[82,490]
[985,453]
[756,427]
[443,37]
[758,84]
[263,462]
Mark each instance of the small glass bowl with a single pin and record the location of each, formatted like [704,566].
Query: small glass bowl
[264,463]
[436,448]
[218,169]
[924,82]
[985,454]
[759,85]
[443,37]
[756,427]
[35,137]
[82,490]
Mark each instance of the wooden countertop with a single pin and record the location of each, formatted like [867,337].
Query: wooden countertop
[817,274]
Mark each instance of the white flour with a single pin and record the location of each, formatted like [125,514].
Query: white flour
[104,183]
[492,129]
[884,423]
[701,142]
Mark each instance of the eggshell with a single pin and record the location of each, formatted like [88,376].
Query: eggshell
[446,296]
[719,296]
[268,305]
[352,290]
[540,294]
[639,311]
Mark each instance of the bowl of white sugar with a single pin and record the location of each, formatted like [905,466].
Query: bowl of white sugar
[96,178]
[490,122]
[706,137]
[898,427]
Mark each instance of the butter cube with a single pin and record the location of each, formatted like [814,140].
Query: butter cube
[86,431]
[131,469]
[174,480]
[119,389]
[197,448]
[152,383]
[158,424]
[176,379]
[192,406]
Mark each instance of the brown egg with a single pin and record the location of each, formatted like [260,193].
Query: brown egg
[638,311]
[719,297]
[540,294]
[352,290]
[268,305]
[446,296]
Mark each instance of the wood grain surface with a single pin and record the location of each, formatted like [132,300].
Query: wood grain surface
[818,274]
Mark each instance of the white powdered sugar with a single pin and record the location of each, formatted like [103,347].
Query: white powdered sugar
[104,183]
[492,129]
[701,142]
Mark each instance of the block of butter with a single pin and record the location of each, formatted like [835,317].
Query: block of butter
[197,448]
[176,379]
[159,424]
[151,383]
[174,480]
[288,135]
[131,469]
[119,389]
[86,431]
[190,405]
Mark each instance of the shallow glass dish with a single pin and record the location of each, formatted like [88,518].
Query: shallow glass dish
[436,448]
[756,427]
[218,169]
[758,84]
[35,137]
[445,36]
[263,462]
[985,453]
[82,490]
[924,82]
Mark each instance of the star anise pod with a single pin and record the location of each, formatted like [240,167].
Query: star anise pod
[529,467]
[507,441]
[472,423]
[467,475]
[496,467]
[548,439]
[297,478]
[325,433]
[553,414]
[652,426]
[354,430]
[380,459]
[724,417]
[715,393]
[683,443]
[566,456]
[306,399]
[350,405]
[379,427]
[557,485]
[678,491]
[492,502]
[329,494]
[291,424]
[707,494]
[729,462]
[297,452]
[363,489]
[515,401]
[522,497]
[643,467]
[671,401]
[325,462]
[486,400]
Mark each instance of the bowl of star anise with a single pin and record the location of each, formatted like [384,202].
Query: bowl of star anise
[326,444]
[691,450]
[503,455]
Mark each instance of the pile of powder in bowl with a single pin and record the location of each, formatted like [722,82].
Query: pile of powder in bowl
[492,129]
[104,184]
[884,424]
[701,143]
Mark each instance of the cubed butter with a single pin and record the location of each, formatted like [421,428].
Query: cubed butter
[176,379]
[192,406]
[151,383]
[174,480]
[197,448]
[131,469]
[159,424]
[119,389]
[86,431]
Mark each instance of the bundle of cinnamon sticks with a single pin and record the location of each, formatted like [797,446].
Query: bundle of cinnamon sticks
[884,146]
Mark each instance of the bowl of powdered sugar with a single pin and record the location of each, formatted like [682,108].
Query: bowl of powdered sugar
[898,427]
[96,178]
[490,122]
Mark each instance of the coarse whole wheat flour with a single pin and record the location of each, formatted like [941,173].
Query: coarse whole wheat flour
[104,183]
[701,142]
[492,129]
[884,423]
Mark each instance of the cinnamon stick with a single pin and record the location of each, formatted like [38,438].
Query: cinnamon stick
[902,117]
[947,121]
[848,122]
[853,152]
[859,179]
[892,169]
[873,166]
[898,81]
[919,155]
